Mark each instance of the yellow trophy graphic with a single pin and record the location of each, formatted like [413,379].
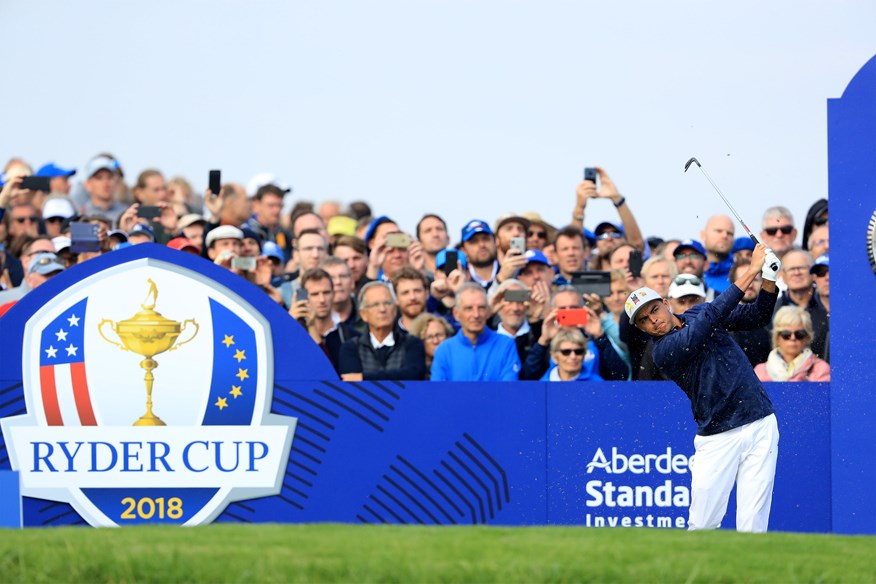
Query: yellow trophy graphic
[147,334]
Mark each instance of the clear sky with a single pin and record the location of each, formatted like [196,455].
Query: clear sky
[464,108]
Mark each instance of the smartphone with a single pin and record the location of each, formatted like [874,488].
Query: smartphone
[301,294]
[244,264]
[451,258]
[592,283]
[215,182]
[36,183]
[149,211]
[636,263]
[590,174]
[288,276]
[572,317]
[398,240]
[518,243]
[84,237]
[517,295]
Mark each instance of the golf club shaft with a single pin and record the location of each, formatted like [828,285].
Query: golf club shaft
[726,202]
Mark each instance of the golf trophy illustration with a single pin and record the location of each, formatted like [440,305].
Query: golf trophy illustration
[147,334]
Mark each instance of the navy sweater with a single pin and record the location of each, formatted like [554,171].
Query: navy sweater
[708,365]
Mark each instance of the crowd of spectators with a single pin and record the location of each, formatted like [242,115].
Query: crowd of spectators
[509,299]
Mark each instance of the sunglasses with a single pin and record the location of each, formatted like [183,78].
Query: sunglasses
[785,229]
[567,352]
[681,281]
[538,234]
[609,235]
[692,255]
[820,271]
[819,221]
[26,219]
[799,335]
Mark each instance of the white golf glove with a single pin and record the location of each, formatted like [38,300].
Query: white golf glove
[771,261]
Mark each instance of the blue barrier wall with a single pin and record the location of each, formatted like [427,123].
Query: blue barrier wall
[852,181]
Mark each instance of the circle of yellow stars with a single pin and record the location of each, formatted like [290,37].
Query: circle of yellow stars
[241,374]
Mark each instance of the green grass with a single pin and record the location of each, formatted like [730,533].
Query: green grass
[349,553]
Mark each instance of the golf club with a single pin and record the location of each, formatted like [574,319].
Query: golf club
[729,206]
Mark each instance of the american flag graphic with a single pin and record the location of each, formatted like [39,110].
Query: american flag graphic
[63,383]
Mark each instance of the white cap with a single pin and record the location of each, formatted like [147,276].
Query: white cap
[690,285]
[223,232]
[638,299]
[262,179]
[58,207]
[61,242]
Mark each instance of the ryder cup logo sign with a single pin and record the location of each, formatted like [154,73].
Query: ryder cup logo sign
[148,391]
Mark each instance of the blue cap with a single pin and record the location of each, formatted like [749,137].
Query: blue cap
[823,260]
[590,237]
[606,225]
[141,228]
[251,234]
[743,243]
[52,170]
[122,245]
[534,256]
[691,244]
[475,226]
[272,250]
[44,264]
[372,227]
[441,259]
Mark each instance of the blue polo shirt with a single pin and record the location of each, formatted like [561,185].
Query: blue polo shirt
[492,358]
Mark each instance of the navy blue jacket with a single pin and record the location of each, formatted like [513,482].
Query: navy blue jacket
[708,365]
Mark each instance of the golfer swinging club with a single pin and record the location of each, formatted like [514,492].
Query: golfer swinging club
[737,435]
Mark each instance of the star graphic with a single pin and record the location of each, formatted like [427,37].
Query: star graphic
[228,341]
[242,373]
[235,391]
[222,402]
[239,355]
[51,352]
[62,335]
[71,351]
[73,320]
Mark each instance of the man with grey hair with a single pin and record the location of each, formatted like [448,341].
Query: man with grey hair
[778,231]
[519,313]
[475,353]
[385,351]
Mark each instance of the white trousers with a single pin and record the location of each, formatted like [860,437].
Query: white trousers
[745,455]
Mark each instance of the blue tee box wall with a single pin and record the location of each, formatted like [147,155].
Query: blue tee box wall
[10,499]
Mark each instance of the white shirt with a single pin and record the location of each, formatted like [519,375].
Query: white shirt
[389,341]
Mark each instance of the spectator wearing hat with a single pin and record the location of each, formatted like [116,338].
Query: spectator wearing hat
[40,268]
[755,343]
[223,244]
[251,246]
[432,235]
[536,269]
[791,358]
[475,353]
[100,186]
[821,272]
[273,252]
[797,273]
[267,208]
[608,235]
[571,248]
[141,233]
[540,233]
[183,244]
[56,209]
[28,247]
[191,227]
[817,216]
[385,351]
[340,226]
[685,292]
[718,241]
[64,250]
[690,258]
[59,178]
[508,227]
[377,229]
[742,248]
[388,254]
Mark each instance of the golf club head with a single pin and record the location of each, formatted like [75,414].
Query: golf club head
[689,162]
